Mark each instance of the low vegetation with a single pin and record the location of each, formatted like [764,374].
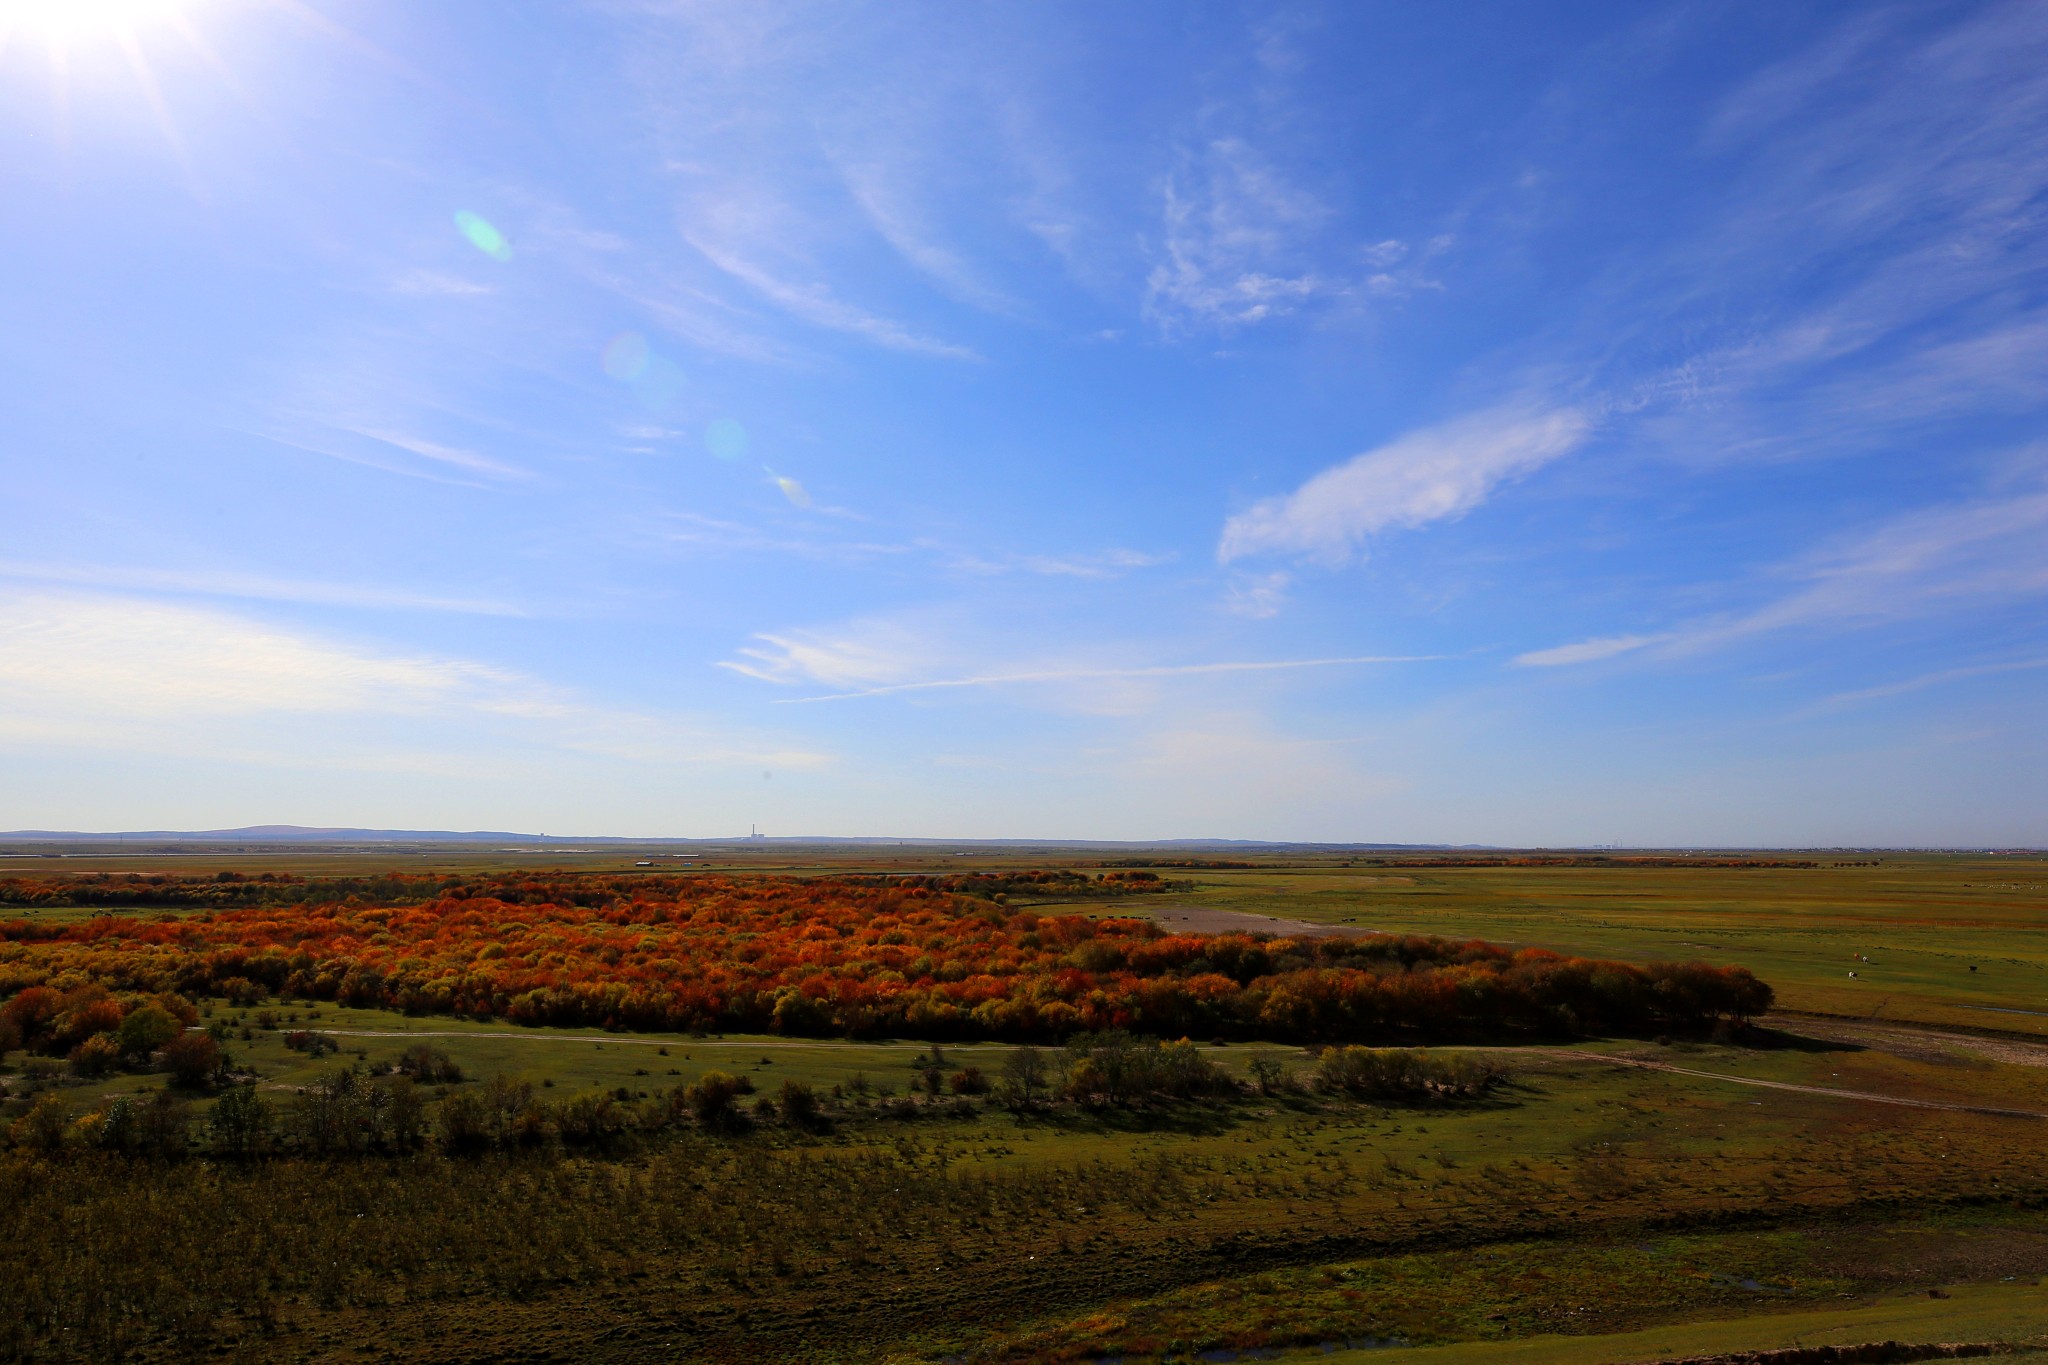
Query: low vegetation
[384,1109]
[896,1119]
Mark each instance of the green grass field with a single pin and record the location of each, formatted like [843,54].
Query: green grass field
[1588,1210]
[1911,929]
[1977,1313]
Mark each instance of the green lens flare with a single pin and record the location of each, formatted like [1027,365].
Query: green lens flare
[483,236]
[626,356]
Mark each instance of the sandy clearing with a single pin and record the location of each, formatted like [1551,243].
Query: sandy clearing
[1914,1041]
[1201,920]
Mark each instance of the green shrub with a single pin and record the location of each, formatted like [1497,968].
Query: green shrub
[1401,1073]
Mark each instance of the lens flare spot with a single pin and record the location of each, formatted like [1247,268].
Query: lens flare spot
[483,236]
[726,439]
[793,490]
[659,385]
[626,356]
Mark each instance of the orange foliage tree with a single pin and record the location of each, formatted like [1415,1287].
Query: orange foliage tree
[841,957]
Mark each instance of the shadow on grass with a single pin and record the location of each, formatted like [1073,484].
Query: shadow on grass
[1198,1120]
[1778,1040]
[1755,1038]
[1208,1120]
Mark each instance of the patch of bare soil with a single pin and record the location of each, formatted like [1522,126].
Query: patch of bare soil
[1917,1044]
[1910,1256]
[1868,1353]
[1197,920]
[1870,1096]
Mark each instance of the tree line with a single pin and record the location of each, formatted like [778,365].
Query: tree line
[419,1103]
[837,959]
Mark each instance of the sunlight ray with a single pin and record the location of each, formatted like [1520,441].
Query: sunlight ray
[60,100]
[350,38]
[160,110]
[207,53]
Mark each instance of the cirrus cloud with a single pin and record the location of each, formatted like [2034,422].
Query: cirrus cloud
[139,675]
[1430,475]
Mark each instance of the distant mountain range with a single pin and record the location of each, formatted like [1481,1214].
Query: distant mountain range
[318,834]
[279,834]
[313,834]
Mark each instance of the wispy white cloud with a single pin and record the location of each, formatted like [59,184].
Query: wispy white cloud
[1102,565]
[880,195]
[1069,675]
[387,450]
[467,460]
[694,532]
[1939,678]
[1938,560]
[1240,244]
[865,654]
[136,675]
[1781,92]
[1232,249]
[127,657]
[874,666]
[1258,596]
[439,284]
[816,540]
[686,309]
[1586,651]
[259,587]
[1383,254]
[1872,267]
[323,444]
[816,304]
[1429,475]
[1929,560]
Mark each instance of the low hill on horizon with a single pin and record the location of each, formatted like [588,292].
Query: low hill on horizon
[284,834]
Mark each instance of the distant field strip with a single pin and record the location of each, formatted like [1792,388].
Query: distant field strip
[628,1041]
[1872,1096]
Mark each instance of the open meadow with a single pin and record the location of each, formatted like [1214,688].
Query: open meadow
[1033,1107]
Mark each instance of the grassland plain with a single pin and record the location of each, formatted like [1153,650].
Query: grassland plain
[1947,939]
[1593,1210]
[993,1236]
[1911,927]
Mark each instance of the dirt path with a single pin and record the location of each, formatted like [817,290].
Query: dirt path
[625,1040]
[1869,1096]
[1921,1043]
[1186,919]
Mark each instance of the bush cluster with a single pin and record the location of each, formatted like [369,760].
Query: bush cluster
[1400,1074]
[835,958]
[98,1031]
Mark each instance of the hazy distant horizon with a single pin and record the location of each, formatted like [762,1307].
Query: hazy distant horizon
[302,834]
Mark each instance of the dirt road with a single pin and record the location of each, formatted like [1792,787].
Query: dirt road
[1869,1096]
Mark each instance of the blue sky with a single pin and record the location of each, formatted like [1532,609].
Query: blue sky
[1515,423]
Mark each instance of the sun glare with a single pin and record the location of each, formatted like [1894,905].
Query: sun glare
[71,20]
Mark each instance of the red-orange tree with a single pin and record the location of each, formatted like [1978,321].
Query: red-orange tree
[833,957]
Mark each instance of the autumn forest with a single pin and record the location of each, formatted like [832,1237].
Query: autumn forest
[912,957]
